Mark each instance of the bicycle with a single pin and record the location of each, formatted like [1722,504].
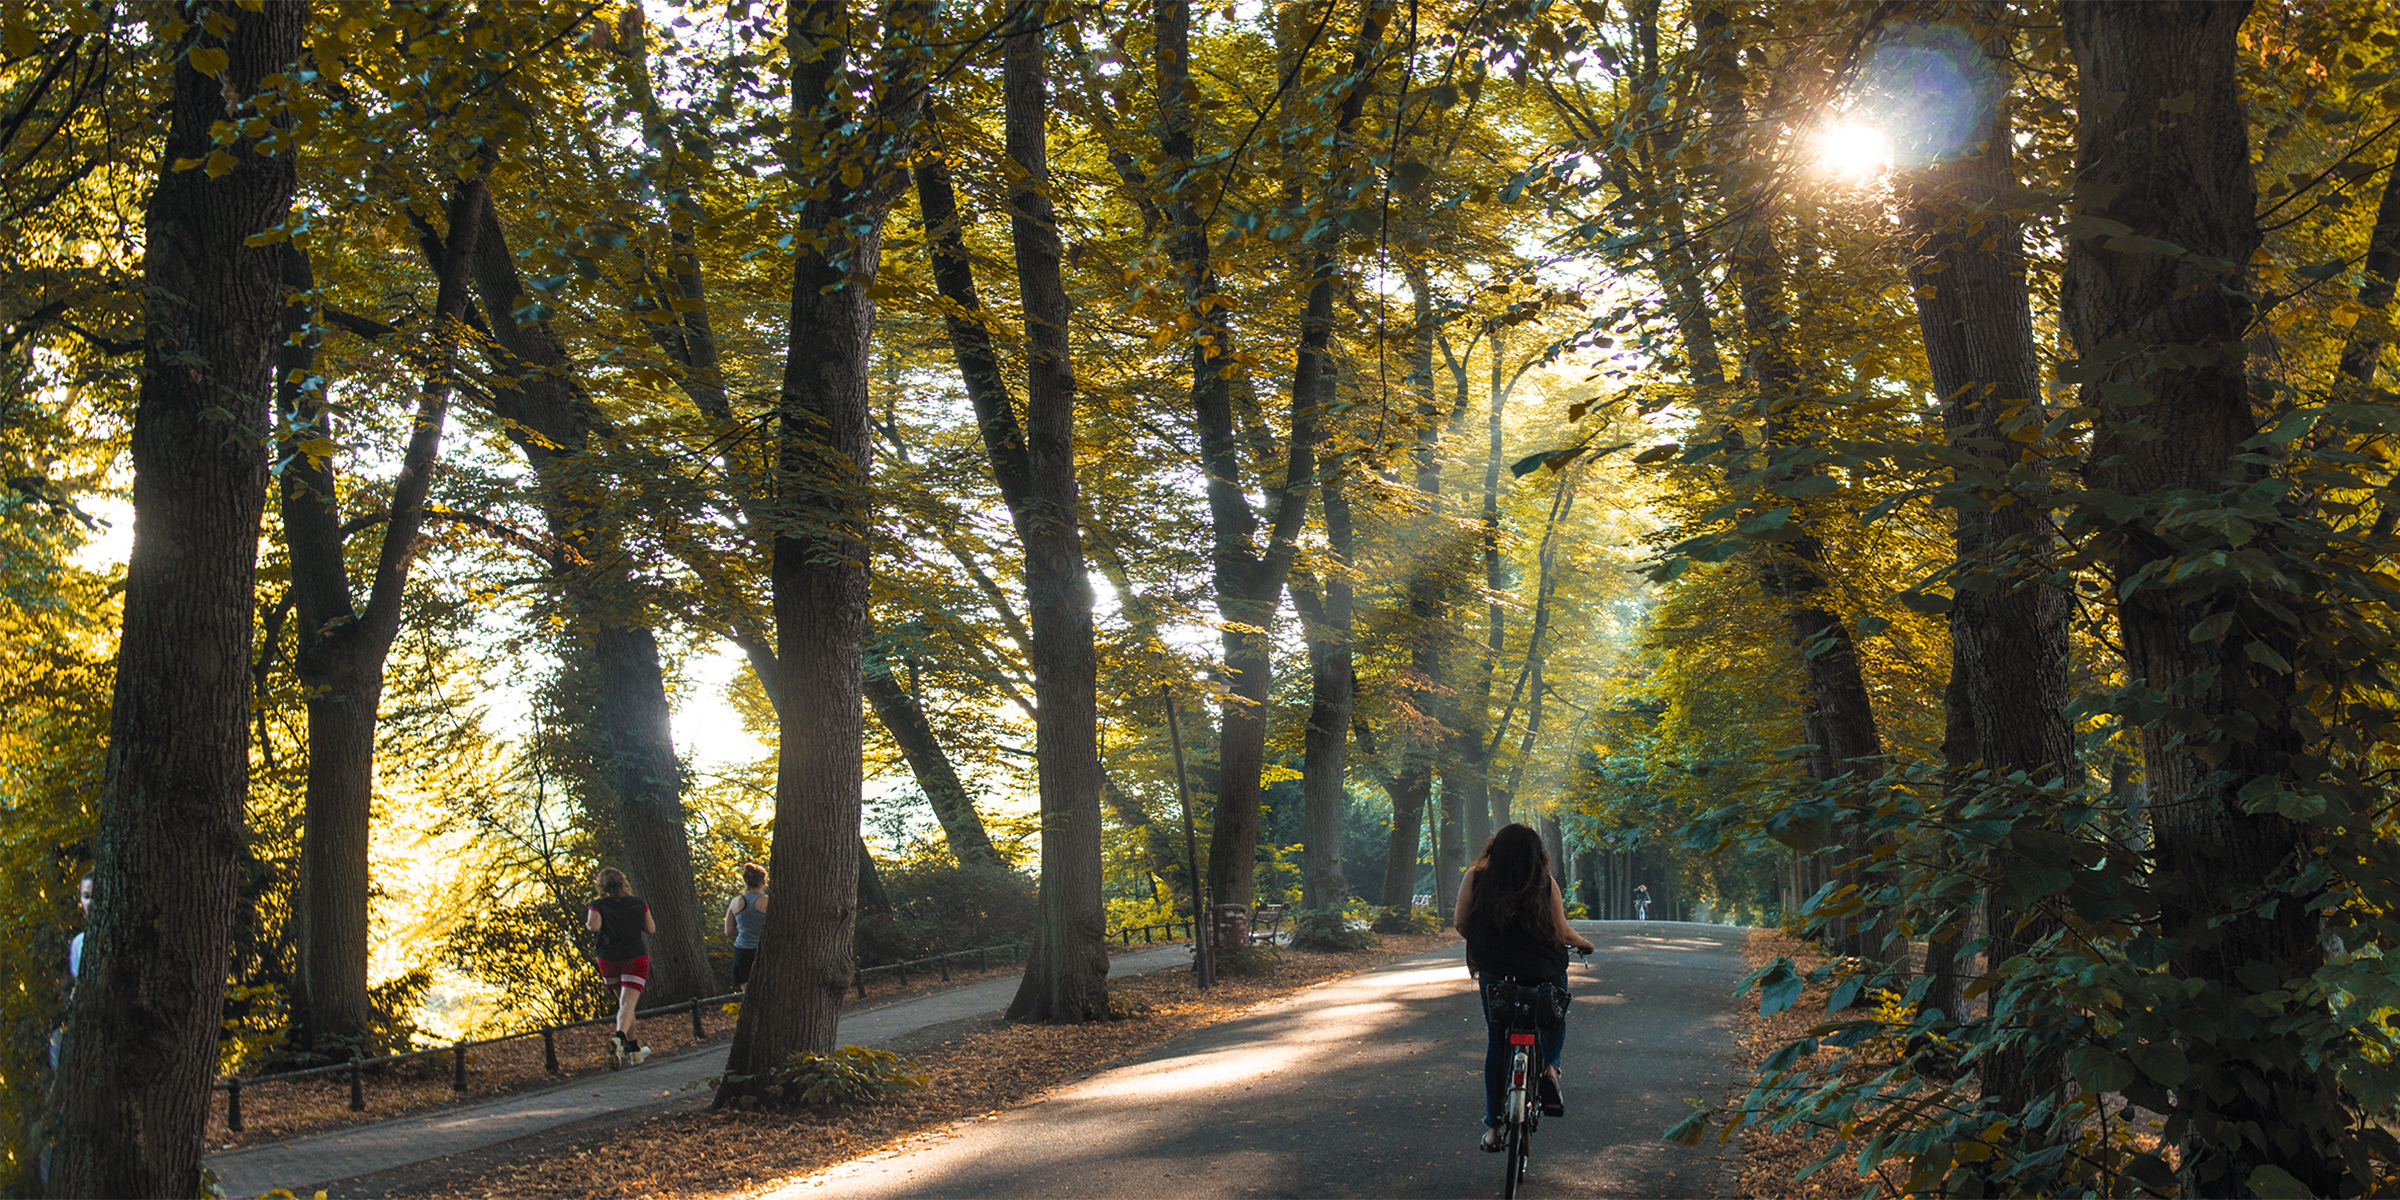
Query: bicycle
[1529,1011]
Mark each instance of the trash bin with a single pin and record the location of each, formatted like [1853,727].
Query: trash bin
[1232,926]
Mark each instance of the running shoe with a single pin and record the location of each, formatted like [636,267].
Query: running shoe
[637,1054]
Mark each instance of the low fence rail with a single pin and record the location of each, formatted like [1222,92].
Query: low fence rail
[1125,932]
[938,964]
[356,1068]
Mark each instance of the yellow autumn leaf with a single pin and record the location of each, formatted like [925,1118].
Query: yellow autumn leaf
[210,60]
[219,163]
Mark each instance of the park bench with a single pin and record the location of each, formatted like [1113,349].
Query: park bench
[1266,920]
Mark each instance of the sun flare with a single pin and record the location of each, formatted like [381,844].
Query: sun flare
[1853,151]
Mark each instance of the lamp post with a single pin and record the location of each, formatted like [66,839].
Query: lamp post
[1204,927]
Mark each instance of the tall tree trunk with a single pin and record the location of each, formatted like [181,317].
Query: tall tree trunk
[342,647]
[2162,148]
[142,1037]
[626,723]
[1066,973]
[1838,713]
[1476,732]
[1249,581]
[1410,789]
[1411,785]
[2008,630]
[903,718]
[818,570]
[1034,465]
[1326,611]
[1562,506]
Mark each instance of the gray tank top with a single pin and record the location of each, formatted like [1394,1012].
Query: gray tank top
[748,921]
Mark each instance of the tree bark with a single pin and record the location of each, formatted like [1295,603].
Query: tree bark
[2183,175]
[141,1042]
[2008,629]
[627,725]
[1066,973]
[819,572]
[343,647]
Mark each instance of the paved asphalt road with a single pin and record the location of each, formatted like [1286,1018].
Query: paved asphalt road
[1368,1086]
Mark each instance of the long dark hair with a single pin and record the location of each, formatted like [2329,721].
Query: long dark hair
[1512,879]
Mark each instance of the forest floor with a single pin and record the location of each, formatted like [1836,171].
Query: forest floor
[1770,1161]
[282,1110]
[980,1068]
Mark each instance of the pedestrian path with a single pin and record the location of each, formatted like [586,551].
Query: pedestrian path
[307,1163]
[1368,1085]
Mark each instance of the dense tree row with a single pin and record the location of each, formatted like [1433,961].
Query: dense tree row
[2009,503]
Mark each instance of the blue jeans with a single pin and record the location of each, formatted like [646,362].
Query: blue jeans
[1496,1053]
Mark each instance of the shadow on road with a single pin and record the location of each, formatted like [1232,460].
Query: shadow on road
[1369,1086]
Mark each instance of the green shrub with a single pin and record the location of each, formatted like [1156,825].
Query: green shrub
[1328,929]
[1408,920]
[851,1077]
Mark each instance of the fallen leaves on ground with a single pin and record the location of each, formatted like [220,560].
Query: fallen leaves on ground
[1770,1160]
[712,1154]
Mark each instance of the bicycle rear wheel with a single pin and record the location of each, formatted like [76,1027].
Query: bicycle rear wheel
[1520,1148]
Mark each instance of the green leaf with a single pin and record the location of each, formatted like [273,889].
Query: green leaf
[1556,459]
[1805,834]
[2212,627]
[2375,1084]
[2274,1183]
[1843,996]
[2085,225]
[1780,989]
[1658,453]
[2162,1061]
[1783,1059]
[1688,1131]
[2099,1071]
[2179,104]
[2136,244]
[1767,522]
[1925,602]
[2265,656]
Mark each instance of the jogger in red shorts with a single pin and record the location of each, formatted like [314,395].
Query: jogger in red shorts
[620,918]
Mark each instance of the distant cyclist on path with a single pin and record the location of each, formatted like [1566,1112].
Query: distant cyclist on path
[1515,921]
[620,918]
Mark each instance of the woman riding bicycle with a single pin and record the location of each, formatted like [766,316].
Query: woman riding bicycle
[1515,922]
